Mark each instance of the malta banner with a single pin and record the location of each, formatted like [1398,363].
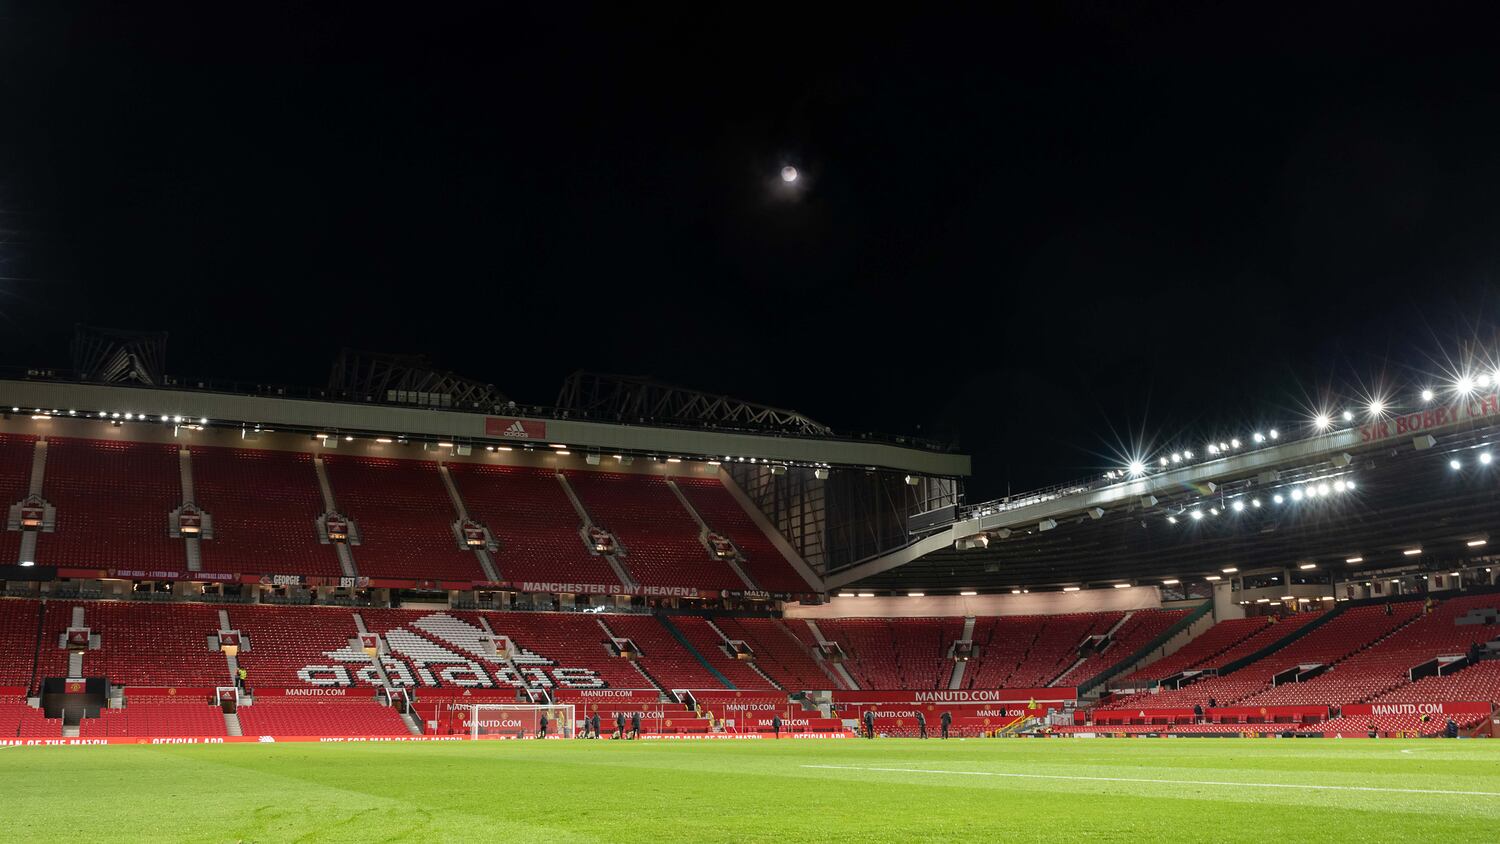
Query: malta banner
[515,429]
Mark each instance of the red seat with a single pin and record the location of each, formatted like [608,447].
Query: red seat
[405,519]
[659,535]
[719,509]
[113,501]
[265,506]
[527,511]
[16,451]
[271,716]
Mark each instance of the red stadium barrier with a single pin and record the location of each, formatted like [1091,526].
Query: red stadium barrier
[614,697]
[1359,710]
[314,691]
[1223,714]
[1057,694]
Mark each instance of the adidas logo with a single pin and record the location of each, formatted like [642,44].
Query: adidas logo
[516,430]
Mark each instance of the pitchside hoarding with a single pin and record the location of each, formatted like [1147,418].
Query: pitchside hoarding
[1055,694]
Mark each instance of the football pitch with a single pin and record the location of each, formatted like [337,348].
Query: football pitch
[806,790]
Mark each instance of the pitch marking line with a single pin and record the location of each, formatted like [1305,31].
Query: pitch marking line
[1080,778]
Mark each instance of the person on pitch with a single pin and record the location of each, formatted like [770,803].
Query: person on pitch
[945,721]
[921,724]
[776,725]
[635,725]
[869,723]
[541,726]
[619,725]
[594,722]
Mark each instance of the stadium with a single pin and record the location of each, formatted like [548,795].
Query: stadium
[601,423]
[407,557]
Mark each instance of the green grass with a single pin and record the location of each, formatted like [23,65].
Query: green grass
[756,791]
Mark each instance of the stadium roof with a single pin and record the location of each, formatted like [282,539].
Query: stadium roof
[314,411]
[1323,500]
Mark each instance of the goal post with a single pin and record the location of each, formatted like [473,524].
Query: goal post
[518,720]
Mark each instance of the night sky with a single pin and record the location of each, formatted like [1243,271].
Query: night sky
[1040,234]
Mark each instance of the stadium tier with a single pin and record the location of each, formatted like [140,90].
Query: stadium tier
[114,503]
[1475,682]
[1227,687]
[1418,635]
[164,660]
[1346,633]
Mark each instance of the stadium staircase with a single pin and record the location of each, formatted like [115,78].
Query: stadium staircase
[778,653]
[1201,649]
[634,663]
[406,517]
[265,505]
[18,456]
[770,560]
[676,633]
[191,544]
[375,661]
[330,505]
[704,530]
[1221,684]
[956,681]
[37,480]
[1152,630]
[837,668]
[615,561]
[725,648]
[486,562]
[534,521]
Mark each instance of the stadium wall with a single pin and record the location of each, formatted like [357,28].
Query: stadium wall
[1041,603]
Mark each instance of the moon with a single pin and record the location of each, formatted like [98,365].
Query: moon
[789,173]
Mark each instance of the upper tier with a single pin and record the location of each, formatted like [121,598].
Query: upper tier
[113,502]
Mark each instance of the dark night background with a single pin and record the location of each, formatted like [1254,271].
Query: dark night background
[1039,233]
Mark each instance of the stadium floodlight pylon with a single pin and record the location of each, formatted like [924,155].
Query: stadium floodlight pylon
[517,720]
